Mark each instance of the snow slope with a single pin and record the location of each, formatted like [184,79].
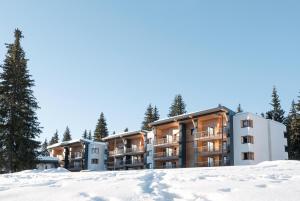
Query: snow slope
[277,180]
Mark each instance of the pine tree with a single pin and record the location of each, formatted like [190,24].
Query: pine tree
[54,139]
[126,130]
[155,114]
[85,134]
[177,107]
[148,118]
[239,109]
[101,130]
[67,135]
[19,126]
[44,150]
[276,114]
[114,132]
[90,135]
[293,129]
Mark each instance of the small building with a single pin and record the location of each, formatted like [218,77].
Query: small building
[46,162]
[126,150]
[79,154]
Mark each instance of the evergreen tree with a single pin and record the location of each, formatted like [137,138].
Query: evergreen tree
[19,126]
[155,114]
[177,107]
[148,118]
[276,114]
[293,129]
[54,139]
[262,115]
[114,132]
[126,130]
[239,109]
[101,130]
[85,134]
[67,135]
[44,150]
[90,135]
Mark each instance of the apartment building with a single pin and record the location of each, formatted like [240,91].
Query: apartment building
[216,137]
[126,150]
[80,154]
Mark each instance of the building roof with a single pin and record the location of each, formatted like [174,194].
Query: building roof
[190,115]
[65,143]
[123,134]
[47,159]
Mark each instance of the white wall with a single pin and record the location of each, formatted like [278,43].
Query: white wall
[278,142]
[268,139]
[150,135]
[101,156]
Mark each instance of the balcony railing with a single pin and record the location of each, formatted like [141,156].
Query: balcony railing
[116,152]
[166,155]
[166,166]
[210,150]
[135,150]
[162,141]
[212,163]
[203,135]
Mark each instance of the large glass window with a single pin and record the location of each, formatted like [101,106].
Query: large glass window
[247,156]
[247,123]
[247,139]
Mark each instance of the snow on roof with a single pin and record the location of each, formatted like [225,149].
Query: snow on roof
[47,158]
[189,115]
[123,134]
[61,144]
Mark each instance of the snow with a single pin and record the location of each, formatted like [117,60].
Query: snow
[275,181]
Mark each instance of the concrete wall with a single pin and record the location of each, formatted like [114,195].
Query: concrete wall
[268,139]
[101,156]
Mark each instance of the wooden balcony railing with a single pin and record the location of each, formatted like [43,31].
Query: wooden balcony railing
[161,141]
[212,163]
[203,135]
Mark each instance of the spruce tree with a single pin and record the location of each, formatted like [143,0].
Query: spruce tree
[155,114]
[67,135]
[276,114]
[19,126]
[54,139]
[177,107]
[239,109]
[126,130]
[148,118]
[44,150]
[90,135]
[85,134]
[101,130]
[293,128]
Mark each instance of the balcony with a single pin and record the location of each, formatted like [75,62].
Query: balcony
[204,135]
[134,150]
[166,142]
[134,163]
[212,150]
[166,156]
[166,166]
[214,163]
[116,152]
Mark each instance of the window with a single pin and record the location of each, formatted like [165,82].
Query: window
[94,161]
[286,149]
[149,141]
[285,134]
[247,139]
[210,131]
[95,150]
[247,156]
[247,123]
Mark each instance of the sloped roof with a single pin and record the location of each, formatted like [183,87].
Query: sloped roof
[61,144]
[123,134]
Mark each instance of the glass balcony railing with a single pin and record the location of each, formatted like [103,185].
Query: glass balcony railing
[162,141]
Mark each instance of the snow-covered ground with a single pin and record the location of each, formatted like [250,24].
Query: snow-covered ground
[277,180]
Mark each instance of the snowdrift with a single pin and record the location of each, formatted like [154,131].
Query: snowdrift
[276,180]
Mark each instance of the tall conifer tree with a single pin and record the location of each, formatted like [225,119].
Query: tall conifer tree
[90,135]
[101,130]
[239,109]
[19,126]
[44,150]
[155,113]
[85,134]
[177,107]
[54,139]
[148,118]
[276,113]
[67,135]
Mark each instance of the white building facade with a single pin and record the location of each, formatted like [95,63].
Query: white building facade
[256,139]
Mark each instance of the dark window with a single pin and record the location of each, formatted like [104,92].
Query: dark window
[247,156]
[247,123]
[286,148]
[94,161]
[247,139]
[192,130]
[285,134]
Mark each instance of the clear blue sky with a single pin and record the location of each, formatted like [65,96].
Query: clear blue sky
[119,56]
